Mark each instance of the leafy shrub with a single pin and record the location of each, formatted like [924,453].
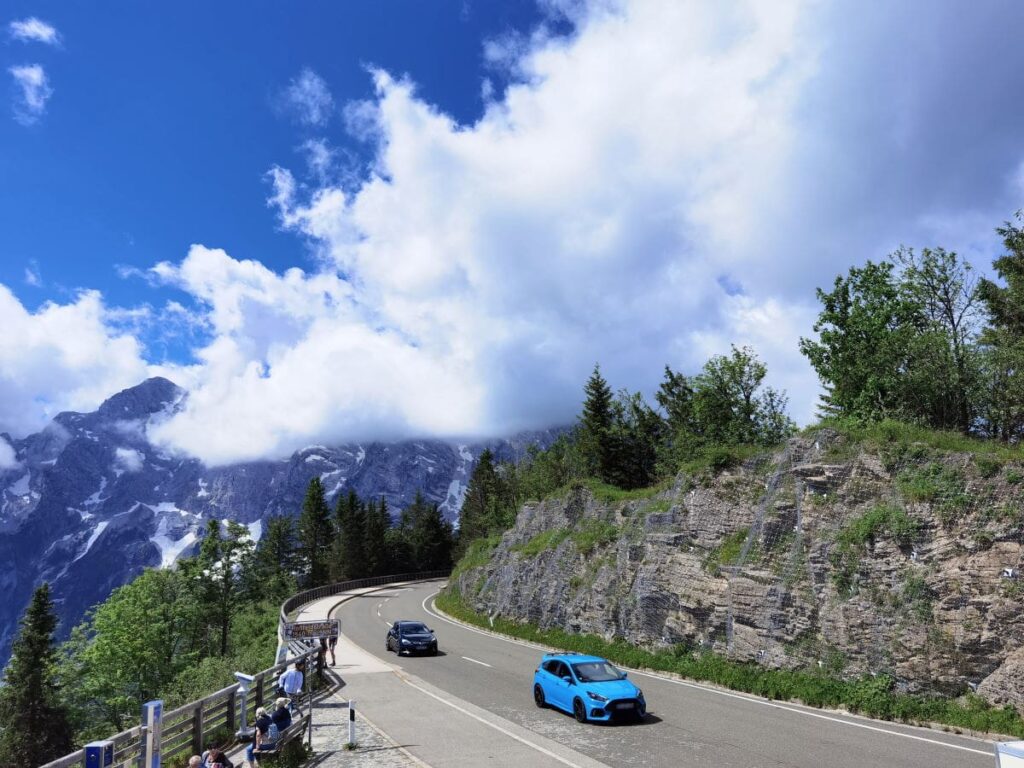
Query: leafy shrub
[477,554]
[988,466]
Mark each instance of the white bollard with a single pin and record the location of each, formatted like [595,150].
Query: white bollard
[351,722]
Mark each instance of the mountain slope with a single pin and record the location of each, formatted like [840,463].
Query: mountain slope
[91,502]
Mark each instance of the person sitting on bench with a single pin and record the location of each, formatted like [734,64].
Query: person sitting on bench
[264,736]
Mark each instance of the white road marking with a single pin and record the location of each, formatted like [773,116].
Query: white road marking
[488,723]
[481,663]
[763,702]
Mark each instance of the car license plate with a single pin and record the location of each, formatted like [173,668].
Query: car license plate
[624,705]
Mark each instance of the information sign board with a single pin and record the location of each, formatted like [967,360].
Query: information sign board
[311,630]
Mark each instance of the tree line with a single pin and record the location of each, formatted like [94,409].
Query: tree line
[624,441]
[178,633]
[919,337]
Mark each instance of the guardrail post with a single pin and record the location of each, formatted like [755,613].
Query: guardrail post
[231,711]
[197,729]
[258,686]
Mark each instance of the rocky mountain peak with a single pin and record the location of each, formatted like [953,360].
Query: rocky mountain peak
[151,396]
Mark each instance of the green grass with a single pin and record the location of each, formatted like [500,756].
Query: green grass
[718,458]
[478,553]
[943,488]
[871,696]
[610,494]
[727,552]
[542,542]
[853,538]
[889,432]
[591,534]
[1014,476]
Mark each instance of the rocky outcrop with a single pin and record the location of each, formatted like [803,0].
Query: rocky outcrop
[902,560]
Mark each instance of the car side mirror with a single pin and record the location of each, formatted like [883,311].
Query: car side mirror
[625,675]
[430,630]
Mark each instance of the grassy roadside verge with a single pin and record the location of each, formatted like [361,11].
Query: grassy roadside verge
[871,696]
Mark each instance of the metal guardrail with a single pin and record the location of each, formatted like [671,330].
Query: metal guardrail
[188,729]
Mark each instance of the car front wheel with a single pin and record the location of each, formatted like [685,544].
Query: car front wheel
[538,696]
[579,711]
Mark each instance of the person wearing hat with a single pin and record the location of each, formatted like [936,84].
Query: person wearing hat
[282,716]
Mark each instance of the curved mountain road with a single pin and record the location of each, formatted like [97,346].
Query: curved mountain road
[472,705]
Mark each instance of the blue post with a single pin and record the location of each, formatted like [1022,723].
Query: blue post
[99,754]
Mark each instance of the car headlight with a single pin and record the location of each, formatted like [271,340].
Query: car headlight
[597,696]
[405,642]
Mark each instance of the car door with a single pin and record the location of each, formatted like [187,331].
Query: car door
[393,636]
[563,689]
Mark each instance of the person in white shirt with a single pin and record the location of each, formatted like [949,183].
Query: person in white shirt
[290,681]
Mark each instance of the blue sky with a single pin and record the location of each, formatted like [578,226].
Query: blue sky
[162,125]
[338,221]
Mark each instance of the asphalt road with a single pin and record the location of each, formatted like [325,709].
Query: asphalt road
[687,724]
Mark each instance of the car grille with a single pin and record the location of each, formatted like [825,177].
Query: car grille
[622,706]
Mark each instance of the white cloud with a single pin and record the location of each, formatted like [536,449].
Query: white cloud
[294,359]
[33,30]
[8,459]
[34,92]
[128,460]
[672,178]
[309,98]
[32,276]
[61,357]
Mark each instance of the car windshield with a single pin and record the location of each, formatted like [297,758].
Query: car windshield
[414,629]
[596,672]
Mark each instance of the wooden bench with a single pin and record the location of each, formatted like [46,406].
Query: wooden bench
[296,729]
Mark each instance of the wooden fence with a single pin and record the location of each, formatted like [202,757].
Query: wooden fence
[190,728]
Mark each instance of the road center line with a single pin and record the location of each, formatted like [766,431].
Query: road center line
[481,663]
[752,700]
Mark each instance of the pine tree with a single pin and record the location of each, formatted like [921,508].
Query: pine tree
[430,536]
[315,534]
[474,518]
[274,561]
[375,537]
[36,727]
[595,428]
[352,539]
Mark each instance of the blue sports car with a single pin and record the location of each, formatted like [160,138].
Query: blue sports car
[588,687]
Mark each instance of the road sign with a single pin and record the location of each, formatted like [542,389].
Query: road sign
[312,630]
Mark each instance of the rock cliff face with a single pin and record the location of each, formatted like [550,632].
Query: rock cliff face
[90,502]
[898,559]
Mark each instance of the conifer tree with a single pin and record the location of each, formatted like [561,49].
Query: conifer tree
[352,539]
[474,519]
[595,428]
[35,724]
[375,537]
[315,534]
[274,561]
[430,536]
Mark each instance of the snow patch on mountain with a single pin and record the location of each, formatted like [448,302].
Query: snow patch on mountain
[169,547]
[100,528]
[20,486]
